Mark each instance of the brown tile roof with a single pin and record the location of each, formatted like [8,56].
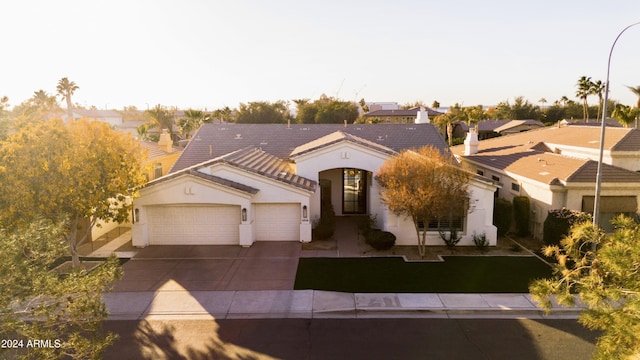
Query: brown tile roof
[527,154]
[155,151]
[212,178]
[515,123]
[336,137]
[214,140]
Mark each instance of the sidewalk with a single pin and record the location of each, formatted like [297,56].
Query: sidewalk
[173,305]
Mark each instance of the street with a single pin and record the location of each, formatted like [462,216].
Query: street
[351,339]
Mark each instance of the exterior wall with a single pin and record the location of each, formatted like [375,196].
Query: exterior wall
[479,219]
[186,190]
[166,161]
[627,160]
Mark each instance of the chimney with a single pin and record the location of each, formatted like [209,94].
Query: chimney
[471,142]
[165,142]
[345,123]
[423,116]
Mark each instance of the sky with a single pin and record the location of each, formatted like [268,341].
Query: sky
[207,54]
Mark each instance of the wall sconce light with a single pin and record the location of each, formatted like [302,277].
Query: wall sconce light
[304,212]
[244,214]
[136,215]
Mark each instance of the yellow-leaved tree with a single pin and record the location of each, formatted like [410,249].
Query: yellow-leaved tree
[425,185]
[72,172]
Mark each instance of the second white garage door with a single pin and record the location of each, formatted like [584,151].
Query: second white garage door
[194,225]
[277,222]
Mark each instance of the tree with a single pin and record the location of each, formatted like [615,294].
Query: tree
[69,308]
[521,109]
[223,114]
[602,271]
[5,120]
[263,112]
[191,121]
[65,89]
[584,90]
[424,185]
[435,104]
[81,171]
[597,88]
[161,118]
[625,115]
[444,123]
[326,110]
[636,91]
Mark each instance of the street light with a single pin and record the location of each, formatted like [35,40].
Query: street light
[596,202]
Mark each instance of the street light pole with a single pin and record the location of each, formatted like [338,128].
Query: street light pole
[596,202]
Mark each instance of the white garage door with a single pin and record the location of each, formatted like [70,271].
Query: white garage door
[194,225]
[277,222]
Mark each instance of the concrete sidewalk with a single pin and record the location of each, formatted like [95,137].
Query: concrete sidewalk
[322,304]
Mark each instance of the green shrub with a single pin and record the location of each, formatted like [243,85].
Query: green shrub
[481,241]
[559,222]
[521,211]
[322,231]
[380,240]
[366,224]
[452,239]
[502,216]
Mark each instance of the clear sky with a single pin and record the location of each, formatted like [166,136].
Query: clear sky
[214,53]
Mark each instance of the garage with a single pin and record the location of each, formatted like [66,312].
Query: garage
[194,225]
[277,222]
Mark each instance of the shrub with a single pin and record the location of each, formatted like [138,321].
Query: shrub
[380,240]
[502,216]
[366,224]
[559,222]
[322,231]
[521,211]
[481,241]
[452,240]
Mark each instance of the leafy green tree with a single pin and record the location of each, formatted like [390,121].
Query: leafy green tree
[263,112]
[601,270]
[131,113]
[5,119]
[224,114]
[585,86]
[84,170]
[435,104]
[66,89]
[326,110]
[161,118]
[191,121]
[37,303]
[625,115]
[424,185]
[521,109]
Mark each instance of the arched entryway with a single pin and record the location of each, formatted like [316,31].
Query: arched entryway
[347,190]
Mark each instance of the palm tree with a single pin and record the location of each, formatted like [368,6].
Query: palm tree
[636,91]
[191,121]
[597,88]
[161,118]
[624,114]
[584,90]
[65,89]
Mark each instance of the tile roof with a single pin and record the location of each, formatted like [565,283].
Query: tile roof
[214,140]
[528,154]
[155,151]
[408,112]
[483,125]
[336,137]
[212,178]
[515,123]
[97,113]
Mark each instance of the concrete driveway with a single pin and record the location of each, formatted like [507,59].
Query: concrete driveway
[263,266]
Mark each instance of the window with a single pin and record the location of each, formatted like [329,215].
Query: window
[157,170]
[452,222]
[515,187]
[480,172]
[354,191]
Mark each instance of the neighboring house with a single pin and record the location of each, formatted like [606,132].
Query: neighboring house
[401,116]
[110,117]
[556,167]
[162,155]
[241,183]
[487,129]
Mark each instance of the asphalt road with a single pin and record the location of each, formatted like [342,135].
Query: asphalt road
[351,339]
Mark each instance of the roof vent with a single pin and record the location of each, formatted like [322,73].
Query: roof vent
[263,142]
[380,138]
[238,136]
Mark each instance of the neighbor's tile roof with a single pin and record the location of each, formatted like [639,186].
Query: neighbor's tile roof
[156,151]
[515,123]
[214,140]
[528,154]
[335,138]
[408,113]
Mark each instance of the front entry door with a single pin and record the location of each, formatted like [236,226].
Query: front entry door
[354,191]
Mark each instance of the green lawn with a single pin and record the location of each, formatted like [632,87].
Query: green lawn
[457,274]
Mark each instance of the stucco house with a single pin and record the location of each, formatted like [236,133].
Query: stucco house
[556,167]
[241,183]
[487,129]
[408,116]
[161,156]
